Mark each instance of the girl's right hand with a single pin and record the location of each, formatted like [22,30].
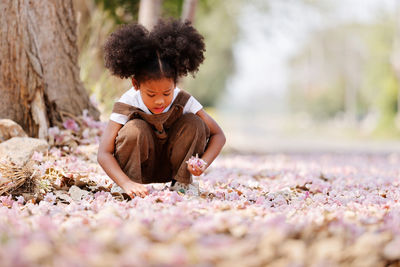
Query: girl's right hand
[134,189]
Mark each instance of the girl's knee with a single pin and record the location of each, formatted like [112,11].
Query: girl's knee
[134,131]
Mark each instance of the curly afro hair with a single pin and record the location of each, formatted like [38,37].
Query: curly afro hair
[171,50]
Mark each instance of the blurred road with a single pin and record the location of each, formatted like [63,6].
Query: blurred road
[271,134]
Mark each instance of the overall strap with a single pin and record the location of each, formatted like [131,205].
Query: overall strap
[124,109]
[177,108]
[182,98]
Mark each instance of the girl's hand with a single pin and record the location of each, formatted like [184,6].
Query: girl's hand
[195,168]
[134,189]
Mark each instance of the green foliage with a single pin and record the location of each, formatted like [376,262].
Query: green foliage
[126,11]
[121,11]
[172,8]
[381,83]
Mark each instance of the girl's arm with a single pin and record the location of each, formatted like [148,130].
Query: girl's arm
[110,165]
[215,143]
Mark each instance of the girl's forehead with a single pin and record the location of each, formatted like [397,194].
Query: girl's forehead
[160,85]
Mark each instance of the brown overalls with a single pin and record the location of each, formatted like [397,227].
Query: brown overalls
[154,148]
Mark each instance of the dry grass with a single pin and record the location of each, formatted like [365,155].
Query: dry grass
[16,180]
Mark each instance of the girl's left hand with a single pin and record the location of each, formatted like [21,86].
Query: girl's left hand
[196,170]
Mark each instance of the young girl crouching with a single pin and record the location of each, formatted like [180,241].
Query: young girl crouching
[155,128]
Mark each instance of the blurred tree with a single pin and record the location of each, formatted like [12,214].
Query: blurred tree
[149,12]
[39,75]
[380,79]
[395,60]
[349,70]
[189,10]
[327,73]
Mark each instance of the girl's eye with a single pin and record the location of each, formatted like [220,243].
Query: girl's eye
[167,94]
[150,95]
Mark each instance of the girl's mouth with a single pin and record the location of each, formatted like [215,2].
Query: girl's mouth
[158,110]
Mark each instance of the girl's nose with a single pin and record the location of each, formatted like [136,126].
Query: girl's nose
[159,101]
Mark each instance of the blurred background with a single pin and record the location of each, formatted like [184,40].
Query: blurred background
[279,75]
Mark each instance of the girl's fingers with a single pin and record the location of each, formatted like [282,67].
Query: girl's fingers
[138,192]
[144,192]
[200,170]
[195,170]
[193,167]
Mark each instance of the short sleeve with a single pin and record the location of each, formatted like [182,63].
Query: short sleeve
[192,106]
[119,118]
[130,98]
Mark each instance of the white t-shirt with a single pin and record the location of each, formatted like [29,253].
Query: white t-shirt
[132,97]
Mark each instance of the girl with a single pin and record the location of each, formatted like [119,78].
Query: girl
[155,128]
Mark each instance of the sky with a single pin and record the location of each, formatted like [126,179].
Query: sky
[271,32]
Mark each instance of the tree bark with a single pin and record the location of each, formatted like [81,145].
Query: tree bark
[39,73]
[149,12]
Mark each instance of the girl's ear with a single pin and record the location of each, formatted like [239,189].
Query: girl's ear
[135,83]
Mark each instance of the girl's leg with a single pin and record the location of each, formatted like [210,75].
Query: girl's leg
[135,150]
[187,137]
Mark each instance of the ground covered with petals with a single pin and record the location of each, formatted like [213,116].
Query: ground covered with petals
[275,210]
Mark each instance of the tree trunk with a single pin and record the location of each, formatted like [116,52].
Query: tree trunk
[149,12]
[351,80]
[39,73]
[189,10]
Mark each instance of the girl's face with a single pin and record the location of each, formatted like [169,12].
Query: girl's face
[156,94]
